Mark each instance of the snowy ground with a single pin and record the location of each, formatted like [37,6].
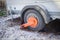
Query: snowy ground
[12,31]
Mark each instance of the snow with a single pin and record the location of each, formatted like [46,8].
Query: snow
[12,31]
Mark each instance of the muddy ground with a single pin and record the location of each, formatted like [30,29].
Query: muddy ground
[10,30]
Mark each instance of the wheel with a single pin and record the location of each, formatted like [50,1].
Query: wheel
[39,22]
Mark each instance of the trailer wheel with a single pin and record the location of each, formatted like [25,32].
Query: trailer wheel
[37,17]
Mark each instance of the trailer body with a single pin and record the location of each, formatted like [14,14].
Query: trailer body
[52,6]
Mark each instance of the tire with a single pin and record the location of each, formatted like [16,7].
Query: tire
[37,15]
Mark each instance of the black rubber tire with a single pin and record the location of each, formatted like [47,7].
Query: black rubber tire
[37,15]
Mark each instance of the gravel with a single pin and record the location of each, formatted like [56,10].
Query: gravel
[11,31]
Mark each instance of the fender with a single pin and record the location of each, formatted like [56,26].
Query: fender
[43,11]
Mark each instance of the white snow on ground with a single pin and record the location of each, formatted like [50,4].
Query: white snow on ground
[13,32]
